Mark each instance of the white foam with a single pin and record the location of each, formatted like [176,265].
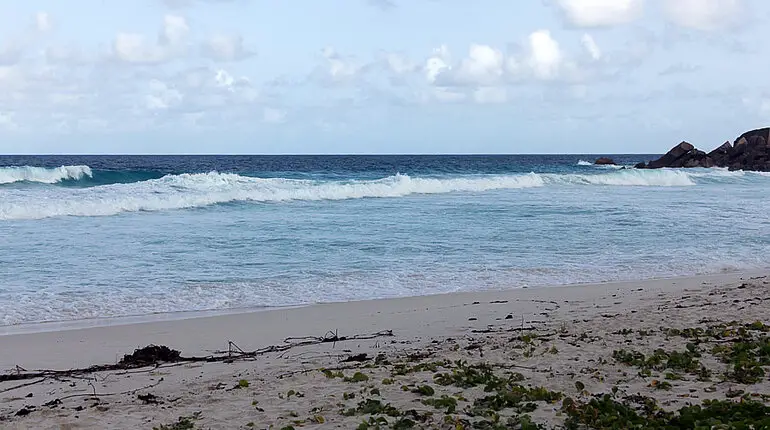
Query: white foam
[584,163]
[9,175]
[628,177]
[205,189]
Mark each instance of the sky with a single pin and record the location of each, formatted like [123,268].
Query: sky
[380,76]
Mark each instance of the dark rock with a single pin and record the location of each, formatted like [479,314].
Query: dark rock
[604,161]
[723,150]
[641,165]
[750,151]
[682,155]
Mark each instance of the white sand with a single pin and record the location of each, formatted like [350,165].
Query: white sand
[578,321]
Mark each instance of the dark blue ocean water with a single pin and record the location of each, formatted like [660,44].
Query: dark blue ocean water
[101,236]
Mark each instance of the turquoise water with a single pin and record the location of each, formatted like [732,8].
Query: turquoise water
[119,236]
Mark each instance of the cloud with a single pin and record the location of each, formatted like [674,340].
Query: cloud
[601,13]
[591,47]
[224,47]
[399,64]
[339,68]
[437,63]
[161,96]
[705,15]
[545,58]
[175,30]
[540,59]
[43,22]
[484,65]
[138,49]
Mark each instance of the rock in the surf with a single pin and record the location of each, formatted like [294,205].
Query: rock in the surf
[604,161]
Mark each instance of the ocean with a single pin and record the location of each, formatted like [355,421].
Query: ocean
[85,237]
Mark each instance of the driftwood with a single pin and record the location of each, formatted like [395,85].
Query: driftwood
[154,355]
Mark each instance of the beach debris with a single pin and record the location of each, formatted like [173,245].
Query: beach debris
[150,355]
[148,399]
[358,358]
[26,410]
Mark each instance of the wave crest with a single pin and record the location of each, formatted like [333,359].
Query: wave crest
[196,190]
[13,174]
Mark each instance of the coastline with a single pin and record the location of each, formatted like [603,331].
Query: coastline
[166,328]
[100,322]
[472,326]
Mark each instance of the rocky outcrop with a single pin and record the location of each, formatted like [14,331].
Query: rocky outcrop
[751,151]
[604,161]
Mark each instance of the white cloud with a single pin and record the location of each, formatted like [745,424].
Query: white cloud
[485,65]
[545,56]
[601,13]
[339,68]
[437,63]
[43,22]
[591,47]
[175,30]
[273,116]
[161,96]
[226,47]
[399,64]
[706,15]
[136,48]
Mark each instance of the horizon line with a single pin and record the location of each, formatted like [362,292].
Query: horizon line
[298,154]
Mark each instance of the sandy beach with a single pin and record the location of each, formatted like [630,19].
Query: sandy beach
[520,358]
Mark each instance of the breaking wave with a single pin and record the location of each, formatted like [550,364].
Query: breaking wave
[13,174]
[197,190]
[584,163]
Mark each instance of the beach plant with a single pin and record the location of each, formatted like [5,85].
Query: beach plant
[332,374]
[424,390]
[357,377]
[445,402]
[182,423]
[604,412]
[682,361]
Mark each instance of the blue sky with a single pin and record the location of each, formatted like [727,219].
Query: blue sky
[380,76]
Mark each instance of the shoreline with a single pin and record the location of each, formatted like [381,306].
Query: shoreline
[124,337]
[98,322]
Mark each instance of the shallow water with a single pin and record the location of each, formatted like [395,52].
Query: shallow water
[87,237]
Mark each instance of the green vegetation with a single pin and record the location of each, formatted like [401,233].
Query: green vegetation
[604,412]
[357,377]
[183,423]
[660,360]
[445,402]
[424,390]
